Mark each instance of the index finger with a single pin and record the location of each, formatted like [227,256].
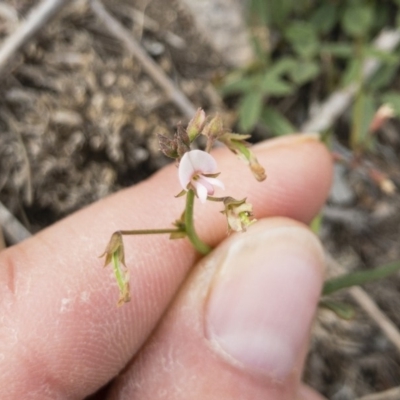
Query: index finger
[61,333]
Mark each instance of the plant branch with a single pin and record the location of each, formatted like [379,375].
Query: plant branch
[339,101]
[345,281]
[36,19]
[369,306]
[13,230]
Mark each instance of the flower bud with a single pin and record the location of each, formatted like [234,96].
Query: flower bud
[196,124]
[168,146]
[214,129]
[182,141]
[176,147]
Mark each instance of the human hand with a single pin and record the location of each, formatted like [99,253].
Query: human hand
[237,327]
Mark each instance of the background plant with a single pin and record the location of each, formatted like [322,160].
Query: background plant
[307,49]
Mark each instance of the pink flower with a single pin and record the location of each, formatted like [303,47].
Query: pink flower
[197,171]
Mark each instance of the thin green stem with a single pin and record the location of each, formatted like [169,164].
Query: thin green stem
[210,143]
[212,198]
[150,231]
[359,278]
[199,245]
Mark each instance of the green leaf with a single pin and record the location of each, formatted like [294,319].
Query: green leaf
[339,50]
[393,99]
[303,37]
[352,73]
[383,77]
[325,17]
[272,85]
[250,110]
[258,12]
[381,17]
[278,11]
[283,66]
[383,56]
[359,278]
[260,44]
[357,19]
[342,310]
[305,72]
[276,122]
[239,85]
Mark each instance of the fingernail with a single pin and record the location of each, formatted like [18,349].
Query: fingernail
[263,298]
[289,140]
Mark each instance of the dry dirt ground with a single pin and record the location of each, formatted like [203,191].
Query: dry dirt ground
[79,118]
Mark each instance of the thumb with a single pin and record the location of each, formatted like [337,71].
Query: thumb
[240,326]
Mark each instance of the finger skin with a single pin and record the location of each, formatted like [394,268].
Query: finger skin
[182,361]
[61,335]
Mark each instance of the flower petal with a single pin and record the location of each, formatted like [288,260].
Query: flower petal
[202,162]
[214,182]
[185,171]
[201,191]
[195,162]
[202,180]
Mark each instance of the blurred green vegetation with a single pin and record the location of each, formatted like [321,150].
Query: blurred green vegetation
[301,45]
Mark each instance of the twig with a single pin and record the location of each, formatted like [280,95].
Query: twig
[13,230]
[338,102]
[375,313]
[391,394]
[369,306]
[152,68]
[26,30]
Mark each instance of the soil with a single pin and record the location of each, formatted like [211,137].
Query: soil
[79,119]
